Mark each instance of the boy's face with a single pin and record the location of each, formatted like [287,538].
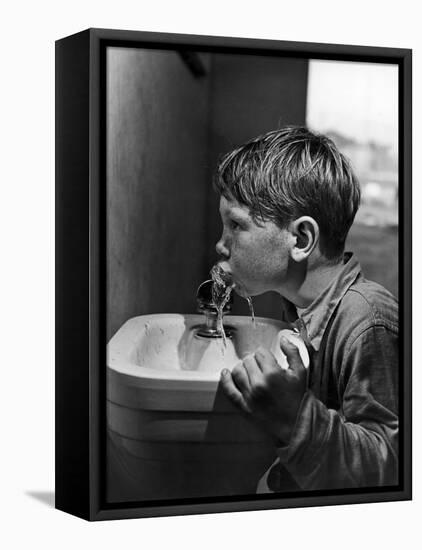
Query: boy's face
[257,256]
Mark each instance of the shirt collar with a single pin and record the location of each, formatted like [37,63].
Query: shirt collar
[314,319]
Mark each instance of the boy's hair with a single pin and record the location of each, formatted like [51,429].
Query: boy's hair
[294,172]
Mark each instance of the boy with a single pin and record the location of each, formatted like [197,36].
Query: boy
[287,202]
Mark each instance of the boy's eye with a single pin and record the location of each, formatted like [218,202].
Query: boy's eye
[234,224]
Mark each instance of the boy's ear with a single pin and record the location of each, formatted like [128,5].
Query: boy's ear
[306,231]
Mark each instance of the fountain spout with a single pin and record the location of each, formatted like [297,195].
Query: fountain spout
[207,306]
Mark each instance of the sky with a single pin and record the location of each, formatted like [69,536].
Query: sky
[360,100]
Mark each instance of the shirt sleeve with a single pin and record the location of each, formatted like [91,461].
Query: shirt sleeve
[356,446]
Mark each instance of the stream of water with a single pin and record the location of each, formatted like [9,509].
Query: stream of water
[250,304]
[221,289]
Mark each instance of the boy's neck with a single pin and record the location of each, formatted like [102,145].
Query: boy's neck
[304,289]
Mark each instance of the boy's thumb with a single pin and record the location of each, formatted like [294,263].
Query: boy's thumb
[292,354]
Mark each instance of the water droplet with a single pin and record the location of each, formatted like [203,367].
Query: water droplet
[249,300]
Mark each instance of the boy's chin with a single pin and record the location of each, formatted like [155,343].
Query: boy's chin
[245,292]
[240,292]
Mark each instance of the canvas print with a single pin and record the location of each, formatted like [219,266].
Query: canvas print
[252,208]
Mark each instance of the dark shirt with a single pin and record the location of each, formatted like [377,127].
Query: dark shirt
[346,432]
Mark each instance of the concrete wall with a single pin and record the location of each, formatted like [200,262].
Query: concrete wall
[251,95]
[157,177]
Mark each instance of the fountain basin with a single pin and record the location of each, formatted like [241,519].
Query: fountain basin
[172,433]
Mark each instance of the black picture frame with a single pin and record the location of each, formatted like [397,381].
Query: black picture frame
[81,268]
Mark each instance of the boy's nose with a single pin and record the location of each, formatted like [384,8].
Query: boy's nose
[222,249]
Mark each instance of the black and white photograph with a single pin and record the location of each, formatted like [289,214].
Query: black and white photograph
[210,285]
[252,256]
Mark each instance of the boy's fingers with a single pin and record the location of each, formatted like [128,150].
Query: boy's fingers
[265,360]
[252,368]
[232,391]
[240,378]
[292,354]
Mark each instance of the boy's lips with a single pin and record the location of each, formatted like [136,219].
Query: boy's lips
[232,279]
[225,268]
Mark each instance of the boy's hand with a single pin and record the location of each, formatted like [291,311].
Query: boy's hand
[265,391]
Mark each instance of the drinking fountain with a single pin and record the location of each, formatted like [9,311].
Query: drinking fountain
[171,432]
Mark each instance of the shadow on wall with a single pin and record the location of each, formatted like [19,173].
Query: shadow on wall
[251,95]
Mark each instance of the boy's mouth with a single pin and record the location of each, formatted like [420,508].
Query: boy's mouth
[229,279]
[225,272]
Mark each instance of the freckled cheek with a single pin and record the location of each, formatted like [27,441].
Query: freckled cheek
[266,261]
[248,261]
[258,269]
